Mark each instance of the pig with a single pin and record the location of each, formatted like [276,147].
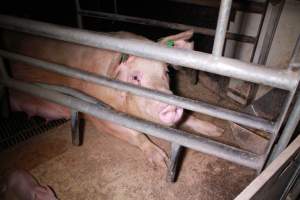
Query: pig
[134,70]
[21,185]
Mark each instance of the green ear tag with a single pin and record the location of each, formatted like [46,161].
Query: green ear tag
[170,43]
[124,57]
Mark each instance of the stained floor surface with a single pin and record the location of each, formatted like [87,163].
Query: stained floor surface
[106,168]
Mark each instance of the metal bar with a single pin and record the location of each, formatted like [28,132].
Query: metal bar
[75,128]
[3,72]
[285,135]
[223,18]
[291,183]
[288,130]
[284,79]
[198,106]
[175,158]
[4,104]
[271,176]
[183,138]
[295,60]
[278,125]
[69,91]
[294,117]
[79,17]
[163,24]
[246,6]
[270,31]
[253,51]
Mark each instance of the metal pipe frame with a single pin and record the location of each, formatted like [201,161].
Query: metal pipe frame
[284,79]
[163,24]
[294,117]
[250,6]
[288,130]
[223,18]
[182,138]
[198,106]
[270,31]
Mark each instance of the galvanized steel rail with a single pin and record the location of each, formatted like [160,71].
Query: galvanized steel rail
[283,79]
[198,143]
[198,106]
[223,18]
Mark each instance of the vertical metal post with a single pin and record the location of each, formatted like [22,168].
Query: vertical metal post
[4,105]
[294,117]
[79,17]
[223,19]
[270,30]
[278,125]
[288,130]
[75,128]
[3,73]
[176,150]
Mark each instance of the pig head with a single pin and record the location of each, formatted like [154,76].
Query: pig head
[153,75]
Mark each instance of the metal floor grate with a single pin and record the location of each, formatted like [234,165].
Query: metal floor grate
[18,128]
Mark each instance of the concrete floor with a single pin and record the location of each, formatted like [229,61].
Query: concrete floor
[106,168]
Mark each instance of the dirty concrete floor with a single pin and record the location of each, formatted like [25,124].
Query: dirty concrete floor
[106,168]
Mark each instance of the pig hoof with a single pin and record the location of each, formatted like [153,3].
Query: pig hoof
[156,156]
[216,133]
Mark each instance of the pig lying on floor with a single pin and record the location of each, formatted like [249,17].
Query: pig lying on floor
[135,70]
[21,185]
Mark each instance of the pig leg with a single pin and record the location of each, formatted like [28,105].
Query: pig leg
[203,127]
[155,155]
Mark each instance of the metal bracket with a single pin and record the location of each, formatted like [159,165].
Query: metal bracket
[77,135]
[175,158]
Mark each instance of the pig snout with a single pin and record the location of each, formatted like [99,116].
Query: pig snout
[170,114]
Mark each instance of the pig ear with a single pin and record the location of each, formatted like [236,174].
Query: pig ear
[179,40]
[120,72]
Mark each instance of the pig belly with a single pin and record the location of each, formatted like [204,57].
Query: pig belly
[35,106]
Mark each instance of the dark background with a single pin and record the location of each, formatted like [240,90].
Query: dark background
[64,13]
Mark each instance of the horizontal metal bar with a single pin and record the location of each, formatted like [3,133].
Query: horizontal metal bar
[223,18]
[69,91]
[198,106]
[284,79]
[163,24]
[246,6]
[195,142]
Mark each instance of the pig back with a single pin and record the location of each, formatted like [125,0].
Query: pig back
[97,61]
